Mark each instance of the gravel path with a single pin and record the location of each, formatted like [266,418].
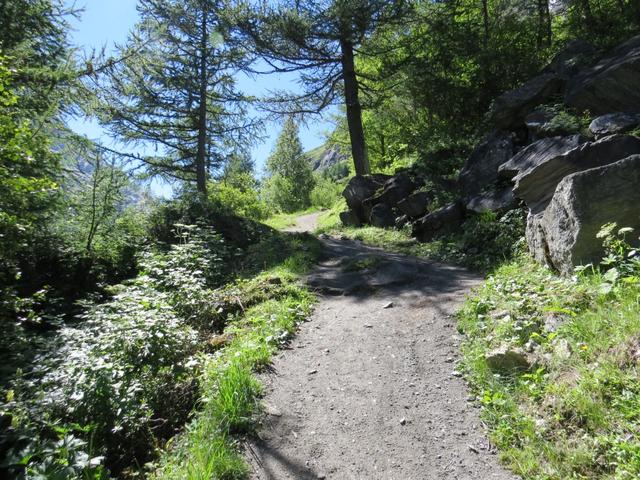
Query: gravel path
[305,223]
[368,388]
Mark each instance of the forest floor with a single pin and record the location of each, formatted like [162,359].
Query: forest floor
[368,389]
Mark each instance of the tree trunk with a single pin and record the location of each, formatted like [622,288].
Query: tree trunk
[485,18]
[588,16]
[354,110]
[201,154]
[544,24]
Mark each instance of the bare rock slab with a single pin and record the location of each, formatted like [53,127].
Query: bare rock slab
[611,85]
[537,153]
[614,123]
[537,185]
[582,203]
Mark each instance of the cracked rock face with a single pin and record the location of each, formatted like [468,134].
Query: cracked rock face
[536,185]
[564,235]
[481,168]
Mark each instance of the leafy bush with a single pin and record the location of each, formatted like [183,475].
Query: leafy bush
[326,193]
[125,375]
[241,195]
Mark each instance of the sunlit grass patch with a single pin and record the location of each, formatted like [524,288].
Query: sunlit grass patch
[230,393]
[576,412]
[281,221]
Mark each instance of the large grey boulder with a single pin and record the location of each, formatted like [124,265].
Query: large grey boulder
[537,153]
[350,219]
[416,204]
[613,123]
[481,168]
[510,108]
[537,185]
[536,241]
[572,58]
[394,189]
[611,85]
[499,201]
[361,187]
[442,221]
[382,216]
[582,203]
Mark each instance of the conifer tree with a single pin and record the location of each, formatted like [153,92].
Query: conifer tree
[321,40]
[174,90]
[291,179]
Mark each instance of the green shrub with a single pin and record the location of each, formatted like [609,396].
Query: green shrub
[240,194]
[326,193]
[125,375]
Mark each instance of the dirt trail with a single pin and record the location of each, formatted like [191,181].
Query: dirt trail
[368,388]
[305,223]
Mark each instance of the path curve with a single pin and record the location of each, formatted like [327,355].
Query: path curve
[368,388]
[305,223]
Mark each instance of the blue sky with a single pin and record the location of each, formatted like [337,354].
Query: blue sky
[105,22]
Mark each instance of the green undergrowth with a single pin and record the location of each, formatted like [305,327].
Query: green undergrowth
[575,413]
[229,401]
[176,345]
[482,242]
[280,221]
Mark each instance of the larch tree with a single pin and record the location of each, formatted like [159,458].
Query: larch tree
[174,89]
[319,39]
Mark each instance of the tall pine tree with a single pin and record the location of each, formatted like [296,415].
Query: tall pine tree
[174,90]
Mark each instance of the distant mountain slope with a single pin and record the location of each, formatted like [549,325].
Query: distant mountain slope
[326,156]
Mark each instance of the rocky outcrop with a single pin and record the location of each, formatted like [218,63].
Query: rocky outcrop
[570,183]
[575,56]
[611,85]
[394,189]
[416,204]
[360,188]
[537,153]
[499,201]
[614,123]
[325,157]
[442,221]
[481,168]
[536,185]
[565,234]
[510,108]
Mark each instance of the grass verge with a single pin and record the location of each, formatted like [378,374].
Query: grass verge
[229,404]
[483,242]
[575,413]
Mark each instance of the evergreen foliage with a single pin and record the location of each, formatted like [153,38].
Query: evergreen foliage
[174,90]
[291,180]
